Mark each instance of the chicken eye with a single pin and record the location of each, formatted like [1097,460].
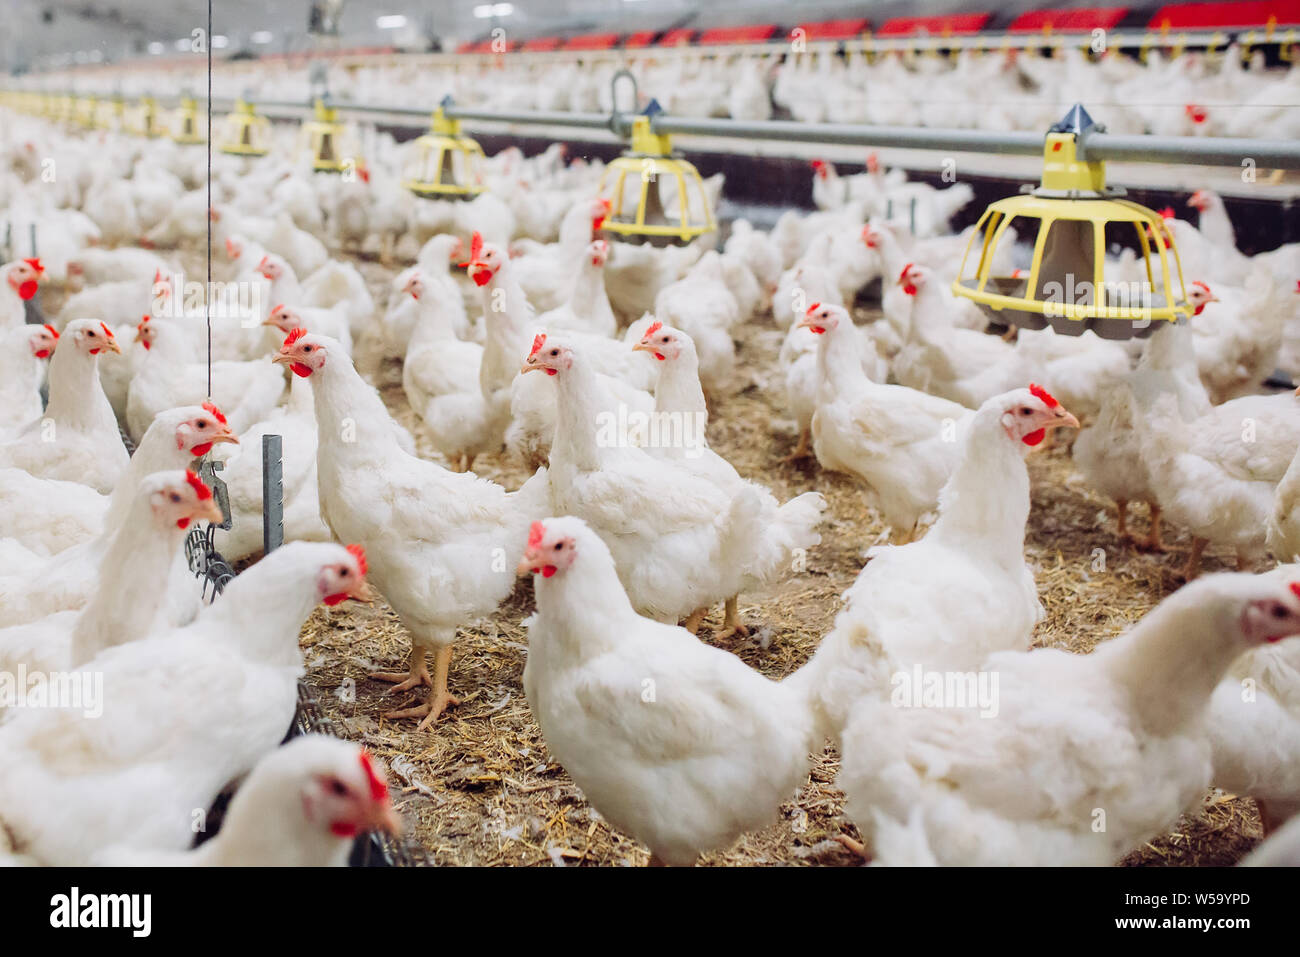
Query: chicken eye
[559,546]
[1025,410]
[175,498]
[338,788]
[1279,611]
[306,348]
[555,352]
[343,573]
[665,339]
[202,424]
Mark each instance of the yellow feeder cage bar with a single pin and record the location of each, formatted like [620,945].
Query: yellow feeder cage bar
[142,119]
[447,164]
[244,132]
[83,112]
[109,114]
[1066,285]
[331,145]
[655,196]
[186,127]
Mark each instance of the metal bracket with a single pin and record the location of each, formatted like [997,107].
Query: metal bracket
[617,124]
[272,493]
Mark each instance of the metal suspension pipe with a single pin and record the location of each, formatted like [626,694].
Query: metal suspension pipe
[1184,150]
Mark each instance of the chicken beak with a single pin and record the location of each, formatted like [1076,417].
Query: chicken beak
[112,346]
[282,358]
[1063,419]
[643,346]
[382,817]
[530,365]
[226,435]
[526,564]
[362,592]
[209,511]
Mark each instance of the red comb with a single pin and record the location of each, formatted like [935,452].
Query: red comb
[35,264]
[359,553]
[277,309]
[1167,213]
[903,275]
[294,336]
[216,413]
[52,331]
[652,328]
[1047,398]
[873,163]
[813,308]
[539,340]
[1201,284]
[202,491]
[157,276]
[536,532]
[1295,589]
[378,789]
[475,245]
[107,331]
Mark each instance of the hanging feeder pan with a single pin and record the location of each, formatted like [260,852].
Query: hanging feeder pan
[447,164]
[83,112]
[109,114]
[142,119]
[244,132]
[1066,285]
[656,197]
[186,128]
[331,145]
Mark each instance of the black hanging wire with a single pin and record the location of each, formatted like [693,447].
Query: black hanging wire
[207,298]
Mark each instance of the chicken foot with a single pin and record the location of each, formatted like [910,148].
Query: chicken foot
[1193,566]
[731,624]
[801,450]
[418,673]
[439,698]
[692,624]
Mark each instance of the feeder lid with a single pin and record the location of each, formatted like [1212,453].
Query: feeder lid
[652,108]
[1077,121]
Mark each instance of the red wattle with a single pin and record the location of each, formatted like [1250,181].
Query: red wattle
[301,370]
[202,449]
[659,356]
[42,354]
[550,371]
[1033,438]
[182,523]
[336,598]
[481,277]
[817,329]
[548,571]
[28,289]
[343,829]
[910,289]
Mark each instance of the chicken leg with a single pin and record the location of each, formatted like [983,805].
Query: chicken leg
[439,698]
[854,847]
[1153,543]
[801,450]
[732,625]
[1121,523]
[692,624]
[1193,566]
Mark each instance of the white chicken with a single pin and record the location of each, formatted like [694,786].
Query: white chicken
[681,437]
[713,755]
[77,438]
[431,534]
[1119,732]
[23,350]
[185,712]
[130,585]
[961,592]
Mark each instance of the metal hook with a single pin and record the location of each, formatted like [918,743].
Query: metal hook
[616,123]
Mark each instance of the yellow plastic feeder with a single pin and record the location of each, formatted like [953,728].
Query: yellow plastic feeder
[109,114]
[655,196]
[1066,285]
[186,127]
[447,164]
[83,112]
[142,119]
[333,147]
[244,132]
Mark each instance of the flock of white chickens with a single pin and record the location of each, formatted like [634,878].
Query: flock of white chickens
[1228,92]
[632,528]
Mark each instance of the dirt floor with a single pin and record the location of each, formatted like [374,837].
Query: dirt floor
[479,787]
